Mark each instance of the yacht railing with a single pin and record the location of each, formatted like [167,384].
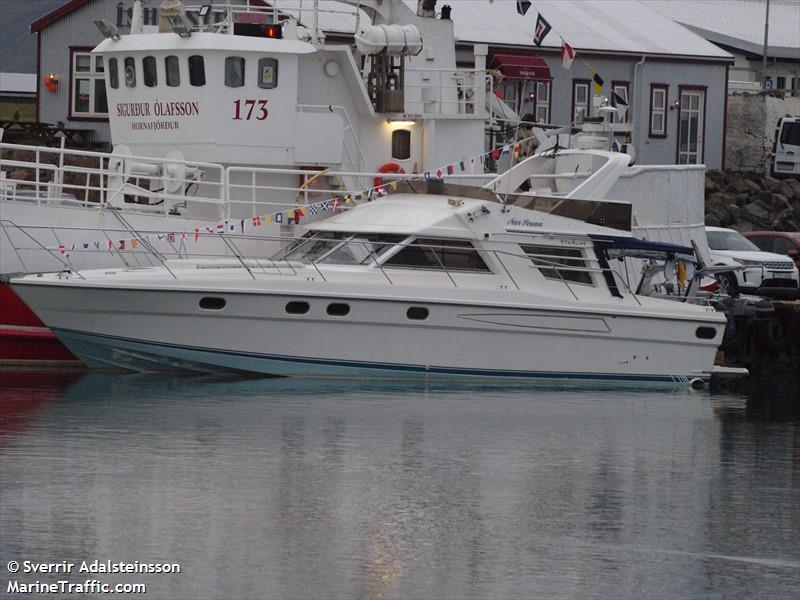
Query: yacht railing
[180,259]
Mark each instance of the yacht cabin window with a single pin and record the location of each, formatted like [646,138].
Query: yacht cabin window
[149,71]
[268,73]
[130,72]
[340,248]
[563,264]
[234,71]
[173,70]
[113,73]
[438,254]
[197,70]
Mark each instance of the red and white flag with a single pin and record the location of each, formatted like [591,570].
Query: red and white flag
[567,55]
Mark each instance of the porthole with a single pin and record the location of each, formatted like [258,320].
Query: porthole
[212,303]
[417,313]
[338,309]
[706,333]
[297,308]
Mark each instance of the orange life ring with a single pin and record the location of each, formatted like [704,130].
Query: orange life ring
[389,167]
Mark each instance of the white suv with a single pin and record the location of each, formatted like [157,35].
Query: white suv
[762,269]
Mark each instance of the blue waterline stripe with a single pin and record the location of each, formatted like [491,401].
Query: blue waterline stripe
[396,367]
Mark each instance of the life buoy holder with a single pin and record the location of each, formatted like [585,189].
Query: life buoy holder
[389,167]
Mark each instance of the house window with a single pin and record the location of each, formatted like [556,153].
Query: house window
[658,110]
[149,71]
[234,71]
[620,100]
[781,83]
[88,86]
[197,71]
[691,126]
[580,99]
[542,102]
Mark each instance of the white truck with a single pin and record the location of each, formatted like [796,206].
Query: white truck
[786,149]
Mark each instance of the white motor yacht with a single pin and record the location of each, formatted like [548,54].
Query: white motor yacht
[455,283]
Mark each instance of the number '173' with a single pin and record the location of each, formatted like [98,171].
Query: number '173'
[244,109]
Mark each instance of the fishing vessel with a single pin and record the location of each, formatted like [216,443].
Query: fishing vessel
[446,281]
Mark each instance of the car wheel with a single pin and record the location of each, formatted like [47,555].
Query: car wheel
[728,284]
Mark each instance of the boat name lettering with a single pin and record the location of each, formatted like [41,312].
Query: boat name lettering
[154,125]
[158,109]
[525,223]
[573,243]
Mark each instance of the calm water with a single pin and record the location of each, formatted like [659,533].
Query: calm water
[297,489]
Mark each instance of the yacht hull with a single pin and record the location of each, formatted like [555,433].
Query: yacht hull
[161,329]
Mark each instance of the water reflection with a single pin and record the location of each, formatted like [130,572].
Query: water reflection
[339,489]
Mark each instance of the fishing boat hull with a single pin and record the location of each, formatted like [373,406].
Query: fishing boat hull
[254,333]
[24,339]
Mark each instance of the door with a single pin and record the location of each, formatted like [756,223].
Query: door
[690,127]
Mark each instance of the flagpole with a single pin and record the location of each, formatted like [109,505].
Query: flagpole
[764,58]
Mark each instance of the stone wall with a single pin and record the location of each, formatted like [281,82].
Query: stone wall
[752,201]
[751,129]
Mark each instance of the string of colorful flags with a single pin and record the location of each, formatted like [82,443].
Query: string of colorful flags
[294,216]
[568,55]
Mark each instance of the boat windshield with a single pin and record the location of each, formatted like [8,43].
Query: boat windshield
[339,248]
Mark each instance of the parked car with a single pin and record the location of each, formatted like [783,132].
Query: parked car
[764,273]
[779,242]
[786,147]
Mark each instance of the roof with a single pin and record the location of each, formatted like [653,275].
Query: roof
[17,45]
[740,23]
[18,82]
[598,25]
[627,26]
[56,14]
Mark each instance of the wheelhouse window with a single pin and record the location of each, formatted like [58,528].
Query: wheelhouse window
[130,72]
[563,264]
[113,73]
[173,70]
[88,86]
[438,254]
[268,73]
[149,71]
[580,100]
[197,70]
[234,71]
[658,110]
